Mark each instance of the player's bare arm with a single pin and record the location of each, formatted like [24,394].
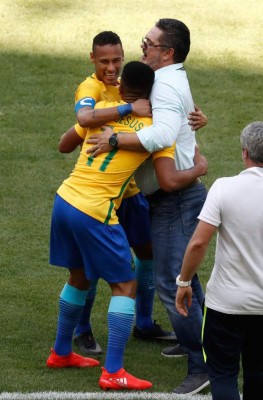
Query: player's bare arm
[69,141]
[90,118]
[171,179]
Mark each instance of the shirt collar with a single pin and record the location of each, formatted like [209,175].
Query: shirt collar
[170,67]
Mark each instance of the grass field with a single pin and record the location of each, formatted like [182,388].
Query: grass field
[44,50]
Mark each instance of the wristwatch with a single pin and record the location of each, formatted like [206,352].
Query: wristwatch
[113,140]
[182,283]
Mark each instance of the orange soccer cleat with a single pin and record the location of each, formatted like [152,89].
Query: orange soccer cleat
[71,360]
[121,380]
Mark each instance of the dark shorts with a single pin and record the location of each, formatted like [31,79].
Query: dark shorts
[134,217]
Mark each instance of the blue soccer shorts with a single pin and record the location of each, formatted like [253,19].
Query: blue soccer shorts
[134,217]
[80,241]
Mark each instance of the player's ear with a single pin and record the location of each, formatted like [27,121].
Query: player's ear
[92,58]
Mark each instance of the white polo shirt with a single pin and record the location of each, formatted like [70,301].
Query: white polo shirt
[172,101]
[235,206]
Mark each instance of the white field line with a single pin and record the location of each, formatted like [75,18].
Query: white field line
[100,396]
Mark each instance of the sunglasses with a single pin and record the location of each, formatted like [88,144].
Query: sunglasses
[146,44]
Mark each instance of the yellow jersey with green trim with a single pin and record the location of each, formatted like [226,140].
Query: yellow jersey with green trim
[96,185]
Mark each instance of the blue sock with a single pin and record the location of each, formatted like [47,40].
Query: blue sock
[120,321]
[145,293]
[84,322]
[71,304]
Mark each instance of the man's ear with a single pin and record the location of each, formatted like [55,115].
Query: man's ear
[169,54]
[244,153]
[245,156]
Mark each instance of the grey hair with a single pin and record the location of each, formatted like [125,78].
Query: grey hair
[251,138]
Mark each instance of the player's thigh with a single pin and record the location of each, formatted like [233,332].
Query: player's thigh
[105,252]
[64,249]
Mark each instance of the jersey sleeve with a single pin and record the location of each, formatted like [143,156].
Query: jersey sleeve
[87,94]
[167,152]
[81,131]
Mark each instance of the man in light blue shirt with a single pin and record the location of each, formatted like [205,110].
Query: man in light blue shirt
[174,212]
[172,102]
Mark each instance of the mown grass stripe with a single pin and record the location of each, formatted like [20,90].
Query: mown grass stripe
[100,396]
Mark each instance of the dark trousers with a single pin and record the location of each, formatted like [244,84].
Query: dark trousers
[226,339]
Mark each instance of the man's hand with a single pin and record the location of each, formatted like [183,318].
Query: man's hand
[197,119]
[142,108]
[183,300]
[100,142]
[200,162]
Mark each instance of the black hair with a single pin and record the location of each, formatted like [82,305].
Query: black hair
[106,37]
[138,77]
[176,35]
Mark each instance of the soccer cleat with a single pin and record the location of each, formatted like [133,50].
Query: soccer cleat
[192,384]
[175,351]
[71,360]
[154,333]
[87,344]
[121,380]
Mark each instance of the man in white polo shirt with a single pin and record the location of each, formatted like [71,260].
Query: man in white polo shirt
[233,326]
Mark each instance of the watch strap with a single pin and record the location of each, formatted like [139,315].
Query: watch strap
[182,283]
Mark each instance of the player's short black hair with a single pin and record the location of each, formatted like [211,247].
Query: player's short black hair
[138,77]
[106,37]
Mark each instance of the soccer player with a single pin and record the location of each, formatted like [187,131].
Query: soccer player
[107,55]
[87,239]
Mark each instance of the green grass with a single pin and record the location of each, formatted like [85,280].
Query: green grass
[44,56]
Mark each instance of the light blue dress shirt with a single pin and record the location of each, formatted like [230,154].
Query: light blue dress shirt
[172,102]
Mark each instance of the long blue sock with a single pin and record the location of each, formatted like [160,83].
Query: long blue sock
[145,293]
[71,304]
[120,321]
[84,324]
